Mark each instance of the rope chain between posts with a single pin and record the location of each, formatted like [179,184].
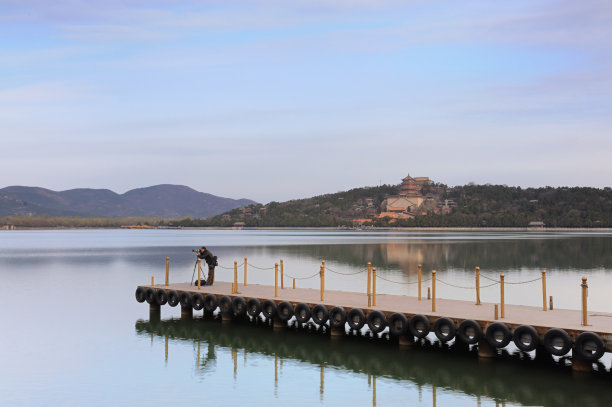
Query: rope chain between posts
[401,282]
[261,268]
[303,278]
[510,282]
[345,274]
[464,287]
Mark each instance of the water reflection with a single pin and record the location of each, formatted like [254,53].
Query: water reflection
[455,369]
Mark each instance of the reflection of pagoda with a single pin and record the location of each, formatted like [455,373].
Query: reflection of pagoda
[408,201]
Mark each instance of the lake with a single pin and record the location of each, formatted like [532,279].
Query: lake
[75,335]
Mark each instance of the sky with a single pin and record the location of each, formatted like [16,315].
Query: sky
[278,100]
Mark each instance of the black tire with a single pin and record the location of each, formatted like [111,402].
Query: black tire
[589,346]
[150,296]
[269,309]
[377,321]
[398,324]
[557,342]
[320,314]
[444,328]
[284,311]
[173,298]
[185,299]
[210,303]
[253,307]
[526,338]
[469,332]
[161,296]
[197,301]
[419,326]
[140,294]
[356,319]
[498,335]
[337,317]
[239,306]
[302,313]
[225,304]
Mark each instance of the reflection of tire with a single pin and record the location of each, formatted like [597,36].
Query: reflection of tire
[419,326]
[269,309]
[284,311]
[239,306]
[557,342]
[398,324]
[498,335]
[590,346]
[469,331]
[320,314]
[210,303]
[356,319]
[140,294]
[444,328]
[197,301]
[173,298]
[225,304]
[150,296]
[337,317]
[377,322]
[526,338]
[302,313]
[253,307]
[185,299]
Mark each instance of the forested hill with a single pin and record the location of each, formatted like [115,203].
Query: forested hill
[471,206]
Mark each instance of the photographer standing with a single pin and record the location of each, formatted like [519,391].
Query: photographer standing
[211,260]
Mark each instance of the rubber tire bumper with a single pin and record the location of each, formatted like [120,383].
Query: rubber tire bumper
[591,340]
[140,294]
[493,329]
[438,327]
[253,307]
[462,332]
[419,326]
[398,324]
[549,339]
[302,313]
[197,301]
[520,332]
[173,298]
[356,319]
[377,322]
[239,306]
[284,311]
[225,304]
[337,317]
[210,303]
[150,296]
[185,299]
[320,314]
[269,309]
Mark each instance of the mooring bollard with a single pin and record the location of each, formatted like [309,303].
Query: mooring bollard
[477,285]
[369,284]
[199,272]
[551,304]
[245,271]
[433,291]
[374,286]
[282,274]
[235,284]
[276,279]
[167,270]
[501,279]
[544,291]
[429,293]
[495,313]
[585,293]
[419,278]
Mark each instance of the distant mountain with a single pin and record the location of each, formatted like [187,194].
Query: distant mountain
[163,201]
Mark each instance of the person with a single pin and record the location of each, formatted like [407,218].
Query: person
[211,261]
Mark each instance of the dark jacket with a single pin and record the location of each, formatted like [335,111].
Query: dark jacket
[208,257]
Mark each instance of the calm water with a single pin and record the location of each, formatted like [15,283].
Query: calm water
[74,334]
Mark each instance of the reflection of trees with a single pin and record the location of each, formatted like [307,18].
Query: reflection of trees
[526,382]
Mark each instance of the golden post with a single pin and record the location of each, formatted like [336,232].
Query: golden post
[585,293]
[544,290]
[369,284]
[419,274]
[235,285]
[276,279]
[167,270]
[433,291]
[245,271]
[502,307]
[152,280]
[199,271]
[374,286]
[294,283]
[477,285]
[321,278]
[282,274]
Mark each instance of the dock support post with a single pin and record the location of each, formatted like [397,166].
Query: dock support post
[226,317]
[154,312]
[369,284]
[277,324]
[585,293]
[276,279]
[186,312]
[406,340]
[167,271]
[235,283]
[485,350]
[245,271]
[544,291]
[433,291]
[374,286]
[336,332]
[282,275]
[477,285]
[579,364]
[420,278]
[199,272]
[502,307]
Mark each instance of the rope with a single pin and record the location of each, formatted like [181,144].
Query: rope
[302,278]
[261,268]
[231,268]
[345,274]
[401,282]
[511,282]
[464,287]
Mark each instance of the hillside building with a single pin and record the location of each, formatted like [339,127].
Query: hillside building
[409,200]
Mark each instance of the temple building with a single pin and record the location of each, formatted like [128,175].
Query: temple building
[409,200]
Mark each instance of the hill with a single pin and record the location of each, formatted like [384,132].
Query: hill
[160,201]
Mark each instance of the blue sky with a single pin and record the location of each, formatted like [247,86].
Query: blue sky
[276,100]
